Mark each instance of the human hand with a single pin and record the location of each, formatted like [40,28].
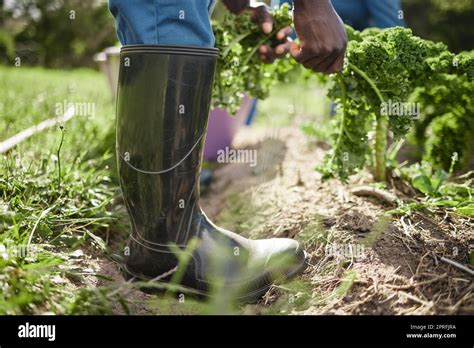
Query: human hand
[260,14]
[323,39]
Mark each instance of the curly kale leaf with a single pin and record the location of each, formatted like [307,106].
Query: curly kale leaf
[239,69]
[393,66]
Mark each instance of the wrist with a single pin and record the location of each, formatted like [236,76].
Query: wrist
[236,6]
[310,4]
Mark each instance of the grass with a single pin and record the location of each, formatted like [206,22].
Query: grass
[60,204]
[48,212]
[304,98]
[31,95]
[244,215]
[59,199]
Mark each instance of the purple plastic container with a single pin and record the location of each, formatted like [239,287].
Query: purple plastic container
[222,128]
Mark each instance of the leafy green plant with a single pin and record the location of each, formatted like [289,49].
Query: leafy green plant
[446,121]
[429,184]
[440,189]
[239,69]
[81,29]
[383,67]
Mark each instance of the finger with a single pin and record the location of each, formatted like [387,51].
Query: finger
[264,49]
[262,16]
[328,62]
[268,56]
[337,66]
[309,59]
[267,59]
[284,33]
[282,49]
[295,50]
[303,55]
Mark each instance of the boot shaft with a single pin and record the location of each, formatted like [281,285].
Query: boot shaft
[163,103]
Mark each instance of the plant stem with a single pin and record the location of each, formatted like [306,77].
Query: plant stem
[381,135]
[381,130]
[369,81]
[340,81]
[59,158]
[234,42]
[257,46]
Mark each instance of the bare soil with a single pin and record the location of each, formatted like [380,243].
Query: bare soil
[393,265]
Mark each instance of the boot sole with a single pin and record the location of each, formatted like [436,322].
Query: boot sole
[250,297]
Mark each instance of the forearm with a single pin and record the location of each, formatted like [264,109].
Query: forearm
[322,36]
[310,5]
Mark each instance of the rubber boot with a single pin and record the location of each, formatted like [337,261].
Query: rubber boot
[162,110]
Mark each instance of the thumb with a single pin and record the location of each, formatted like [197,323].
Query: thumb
[295,49]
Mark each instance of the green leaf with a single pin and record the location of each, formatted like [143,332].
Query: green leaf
[423,184]
[466,210]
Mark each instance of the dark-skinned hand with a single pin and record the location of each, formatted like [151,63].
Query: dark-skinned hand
[260,14]
[322,36]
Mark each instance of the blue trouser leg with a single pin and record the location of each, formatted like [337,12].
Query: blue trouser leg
[369,13]
[385,14]
[252,113]
[163,22]
[365,13]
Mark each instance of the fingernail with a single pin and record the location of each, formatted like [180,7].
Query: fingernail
[267,27]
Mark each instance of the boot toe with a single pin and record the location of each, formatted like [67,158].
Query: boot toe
[283,257]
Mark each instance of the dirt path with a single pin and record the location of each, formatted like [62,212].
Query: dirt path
[362,261]
[371,263]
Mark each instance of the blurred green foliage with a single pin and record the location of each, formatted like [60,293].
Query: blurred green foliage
[449,21]
[42,32]
[54,33]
